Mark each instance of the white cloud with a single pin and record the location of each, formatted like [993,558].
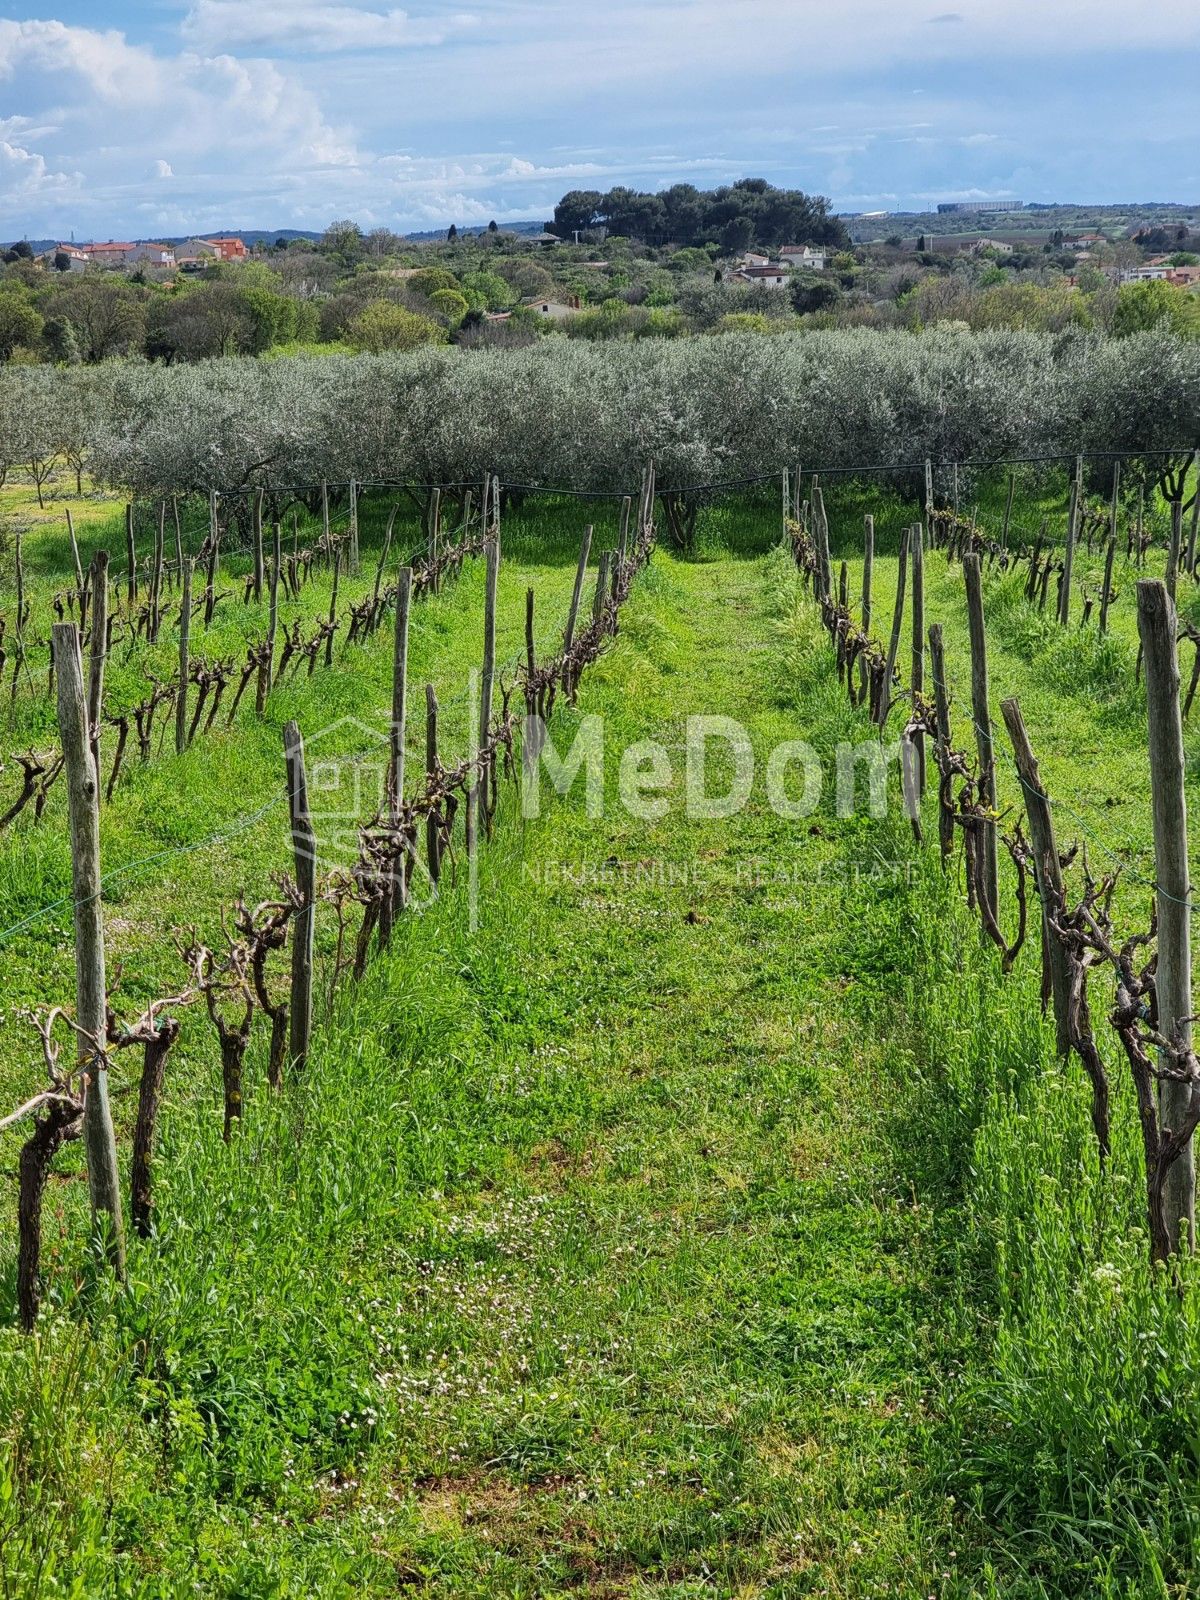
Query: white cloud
[163,169]
[308,25]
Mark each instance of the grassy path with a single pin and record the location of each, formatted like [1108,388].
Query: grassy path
[671,1334]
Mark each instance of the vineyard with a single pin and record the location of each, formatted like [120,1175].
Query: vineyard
[427,1173]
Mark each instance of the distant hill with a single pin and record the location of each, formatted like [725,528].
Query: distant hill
[250,235]
[253,236]
[467,231]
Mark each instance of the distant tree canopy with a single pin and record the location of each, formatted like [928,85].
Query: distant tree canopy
[738,215]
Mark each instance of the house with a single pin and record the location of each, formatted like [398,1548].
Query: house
[803,255]
[1184,277]
[153,255]
[229,248]
[112,254]
[978,247]
[77,259]
[753,259]
[203,252]
[555,309]
[775,277]
[1148,272]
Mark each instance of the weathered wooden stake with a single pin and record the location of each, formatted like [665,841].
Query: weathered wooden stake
[304,848]
[131,583]
[91,1005]
[214,544]
[1173,548]
[917,682]
[1106,591]
[433,848]
[435,536]
[1064,595]
[185,663]
[1047,867]
[97,655]
[75,557]
[941,700]
[868,569]
[333,598]
[477,798]
[257,536]
[981,715]
[1173,980]
[396,733]
[601,594]
[1008,505]
[266,672]
[353,528]
[885,699]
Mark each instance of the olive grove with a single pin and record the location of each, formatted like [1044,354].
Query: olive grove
[584,417]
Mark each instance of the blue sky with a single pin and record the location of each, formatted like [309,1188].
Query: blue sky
[152,116]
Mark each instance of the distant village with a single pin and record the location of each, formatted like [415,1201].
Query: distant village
[193,255]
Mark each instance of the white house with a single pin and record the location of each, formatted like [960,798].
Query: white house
[1143,274]
[753,259]
[803,255]
[770,277]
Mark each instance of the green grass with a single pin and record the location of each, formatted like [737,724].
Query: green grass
[714,1220]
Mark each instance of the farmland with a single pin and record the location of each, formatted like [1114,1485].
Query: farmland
[696,1208]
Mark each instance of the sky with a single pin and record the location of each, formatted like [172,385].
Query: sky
[135,118]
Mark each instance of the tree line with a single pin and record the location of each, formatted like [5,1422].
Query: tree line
[576,416]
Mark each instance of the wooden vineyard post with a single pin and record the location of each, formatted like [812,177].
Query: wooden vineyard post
[1047,868]
[353,528]
[941,700]
[623,540]
[266,671]
[955,503]
[577,592]
[1195,526]
[331,623]
[918,647]
[1106,590]
[397,895]
[821,539]
[178,532]
[601,593]
[435,535]
[214,540]
[325,516]
[433,845]
[131,583]
[156,575]
[91,1005]
[75,557]
[1114,505]
[1064,598]
[98,653]
[787,501]
[185,664]
[983,728]
[1173,548]
[477,798]
[1008,505]
[304,848]
[929,506]
[257,535]
[885,698]
[868,569]
[1173,982]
